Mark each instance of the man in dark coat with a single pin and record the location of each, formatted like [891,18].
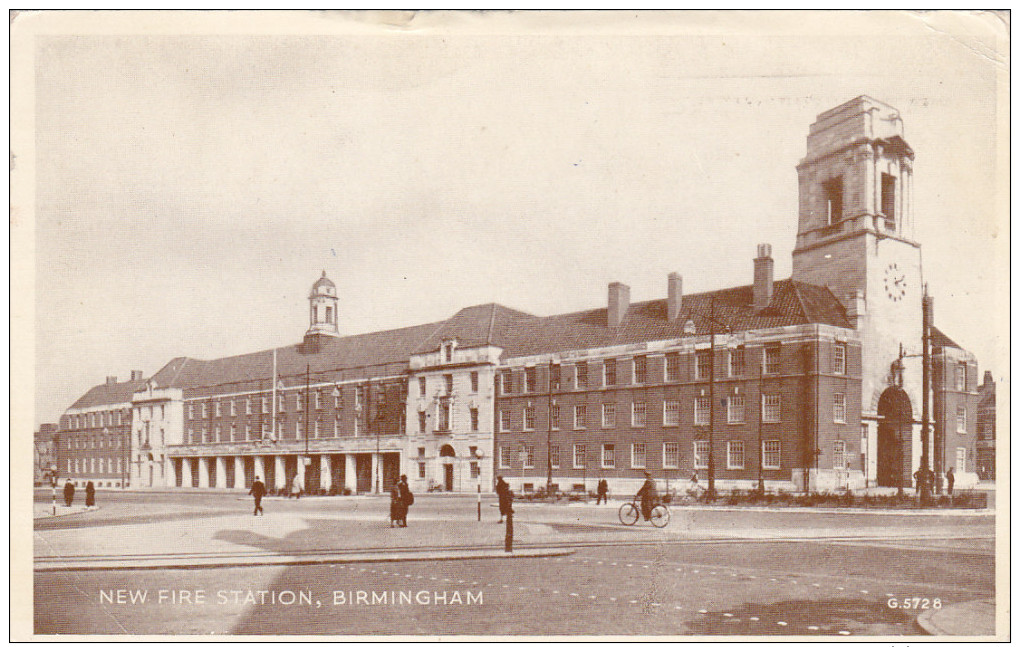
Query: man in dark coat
[68,493]
[950,479]
[602,492]
[406,498]
[648,495]
[506,498]
[90,494]
[258,490]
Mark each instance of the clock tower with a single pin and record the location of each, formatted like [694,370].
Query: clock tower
[856,236]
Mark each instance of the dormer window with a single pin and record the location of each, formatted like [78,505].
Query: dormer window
[833,190]
[448,350]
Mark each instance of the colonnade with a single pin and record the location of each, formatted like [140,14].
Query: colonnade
[277,471]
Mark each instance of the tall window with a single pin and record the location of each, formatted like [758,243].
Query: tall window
[735,455]
[580,415]
[580,456]
[772,359]
[554,377]
[504,456]
[670,456]
[702,364]
[554,456]
[839,455]
[205,409]
[673,367]
[961,377]
[554,416]
[701,454]
[833,190]
[448,383]
[216,408]
[839,407]
[609,372]
[582,375]
[530,380]
[889,197]
[506,378]
[737,362]
[770,454]
[702,410]
[529,418]
[770,407]
[448,352]
[474,381]
[839,359]
[504,420]
[961,459]
[280,406]
[609,414]
[474,418]
[265,405]
[298,429]
[671,413]
[608,456]
[233,407]
[247,406]
[637,414]
[961,420]
[640,369]
[299,401]
[444,416]
[529,456]
[421,387]
[421,422]
[735,409]
[637,455]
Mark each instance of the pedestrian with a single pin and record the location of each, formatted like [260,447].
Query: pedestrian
[950,479]
[68,493]
[90,494]
[406,499]
[299,486]
[506,498]
[258,490]
[602,492]
[648,496]
[395,504]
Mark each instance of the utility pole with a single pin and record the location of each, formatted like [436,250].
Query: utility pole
[548,433]
[761,440]
[926,477]
[711,405]
[306,459]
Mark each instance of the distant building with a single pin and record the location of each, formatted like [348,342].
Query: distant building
[986,428]
[45,456]
[811,382]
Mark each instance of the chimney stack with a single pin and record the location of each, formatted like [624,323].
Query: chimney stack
[111,379]
[136,375]
[763,277]
[675,296]
[619,301]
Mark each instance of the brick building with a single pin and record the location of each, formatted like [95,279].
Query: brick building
[809,382]
[986,428]
[45,458]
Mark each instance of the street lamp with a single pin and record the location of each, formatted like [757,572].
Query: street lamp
[479,453]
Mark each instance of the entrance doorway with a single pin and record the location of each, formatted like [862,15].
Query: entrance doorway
[363,470]
[390,469]
[895,431]
[447,456]
[448,477]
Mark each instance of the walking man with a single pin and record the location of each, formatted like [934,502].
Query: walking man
[406,498]
[602,492]
[950,479]
[506,498]
[68,493]
[258,490]
[90,495]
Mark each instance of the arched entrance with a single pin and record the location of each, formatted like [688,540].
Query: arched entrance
[447,457]
[895,426]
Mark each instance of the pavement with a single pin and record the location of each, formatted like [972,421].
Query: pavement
[354,530]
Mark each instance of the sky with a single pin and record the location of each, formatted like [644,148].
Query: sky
[191,179]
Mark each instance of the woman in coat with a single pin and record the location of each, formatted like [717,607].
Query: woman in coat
[90,495]
[396,504]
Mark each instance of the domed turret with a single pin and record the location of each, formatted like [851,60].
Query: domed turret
[322,308]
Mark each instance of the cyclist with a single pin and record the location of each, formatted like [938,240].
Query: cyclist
[648,495]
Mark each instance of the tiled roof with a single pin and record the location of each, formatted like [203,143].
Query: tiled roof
[793,303]
[518,333]
[108,394]
[939,340]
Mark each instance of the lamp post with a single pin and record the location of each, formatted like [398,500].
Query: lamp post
[306,460]
[479,453]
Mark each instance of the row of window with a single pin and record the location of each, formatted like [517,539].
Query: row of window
[448,384]
[445,423]
[98,419]
[524,456]
[832,189]
[92,441]
[771,412]
[261,431]
[82,465]
[221,407]
[736,365]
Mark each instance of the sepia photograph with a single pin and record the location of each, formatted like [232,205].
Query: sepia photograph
[426,325]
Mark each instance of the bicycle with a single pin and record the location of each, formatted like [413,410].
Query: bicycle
[630,512]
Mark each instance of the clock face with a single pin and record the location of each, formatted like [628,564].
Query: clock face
[895,282]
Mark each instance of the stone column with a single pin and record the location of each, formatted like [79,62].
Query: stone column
[299,472]
[185,472]
[350,473]
[221,471]
[280,476]
[260,468]
[203,472]
[376,476]
[325,477]
[239,473]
